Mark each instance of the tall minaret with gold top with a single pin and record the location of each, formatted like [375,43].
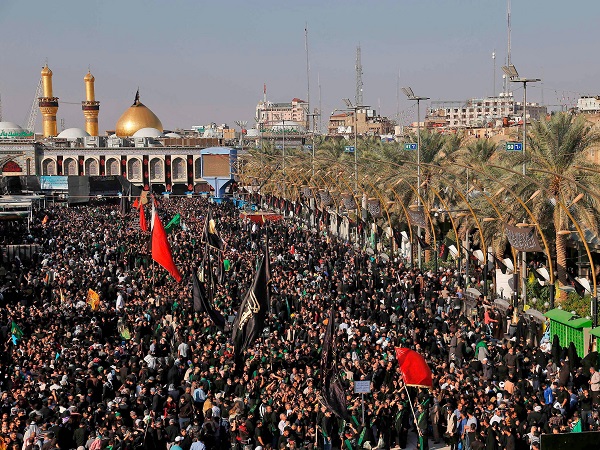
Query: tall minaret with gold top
[90,106]
[48,104]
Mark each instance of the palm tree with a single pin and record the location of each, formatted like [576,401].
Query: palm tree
[560,147]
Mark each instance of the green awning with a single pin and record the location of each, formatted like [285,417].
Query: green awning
[595,332]
[566,318]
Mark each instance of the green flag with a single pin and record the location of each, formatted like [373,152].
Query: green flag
[16,331]
[577,427]
[176,220]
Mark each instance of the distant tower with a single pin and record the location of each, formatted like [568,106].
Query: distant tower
[48,104]
[358,98]
[90,106]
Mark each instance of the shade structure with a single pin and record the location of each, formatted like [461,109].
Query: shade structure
[415,371]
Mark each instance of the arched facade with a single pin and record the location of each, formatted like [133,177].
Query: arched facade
[134,169]
[70,166]
[91,167]
[112,167]
[48,167]
[178,168]
[157,172]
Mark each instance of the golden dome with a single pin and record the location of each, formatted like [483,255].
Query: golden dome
[46,70]
[136,117]
[89,77]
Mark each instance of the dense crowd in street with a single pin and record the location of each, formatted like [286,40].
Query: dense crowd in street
[144,370]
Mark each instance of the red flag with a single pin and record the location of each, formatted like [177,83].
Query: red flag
[161,250]
[143,224]
[136,203]
[415,370]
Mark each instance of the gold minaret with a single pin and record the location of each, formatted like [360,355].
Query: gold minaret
[90,106]
[48,104]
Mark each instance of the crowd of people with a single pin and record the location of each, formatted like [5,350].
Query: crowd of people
[142,369]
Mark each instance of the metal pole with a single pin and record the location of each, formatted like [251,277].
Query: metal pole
[355,148]
[485,274]
[523,254]
[363,409]
[419,173]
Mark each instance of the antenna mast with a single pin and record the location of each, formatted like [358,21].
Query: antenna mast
[0,108]
[358,98]
[320,118]
[508,26]
[307,78]
[494,75]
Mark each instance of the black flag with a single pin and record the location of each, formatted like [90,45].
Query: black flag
[500,265]
[211,235]
[251,318]
[424,245]
[332,390]
[202,303]
[579,288]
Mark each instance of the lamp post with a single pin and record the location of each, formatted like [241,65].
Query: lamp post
[511,73]
[355,109]
[411,96]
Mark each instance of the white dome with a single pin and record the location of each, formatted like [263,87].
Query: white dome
[172,135]
[73,133]
[9,129]
[148,133]
[9,126]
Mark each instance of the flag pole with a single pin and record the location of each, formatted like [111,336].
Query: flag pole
[413,410]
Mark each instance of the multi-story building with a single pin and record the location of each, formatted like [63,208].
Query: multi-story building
[589,104]
[269,113]
[366,121]
[481,112]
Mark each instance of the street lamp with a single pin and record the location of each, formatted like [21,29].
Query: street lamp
[354,108]
[411,96]
[511,73]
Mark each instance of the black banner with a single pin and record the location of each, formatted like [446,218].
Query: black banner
[522,239]
[333,396]
[202,303]
[417,217]
[251,318]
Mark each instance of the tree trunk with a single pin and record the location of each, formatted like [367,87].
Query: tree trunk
[561,265]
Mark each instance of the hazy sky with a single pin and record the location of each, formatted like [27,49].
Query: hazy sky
[197,62]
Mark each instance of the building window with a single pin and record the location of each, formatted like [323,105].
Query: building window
[28,166]
[112,167]
[156,169]
[70,166]
[91,167]
[48,167]
[178,169]
[198,168]
[134,169]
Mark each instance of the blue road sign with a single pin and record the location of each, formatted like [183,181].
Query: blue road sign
[411,146]
[514,146]
[349,149]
